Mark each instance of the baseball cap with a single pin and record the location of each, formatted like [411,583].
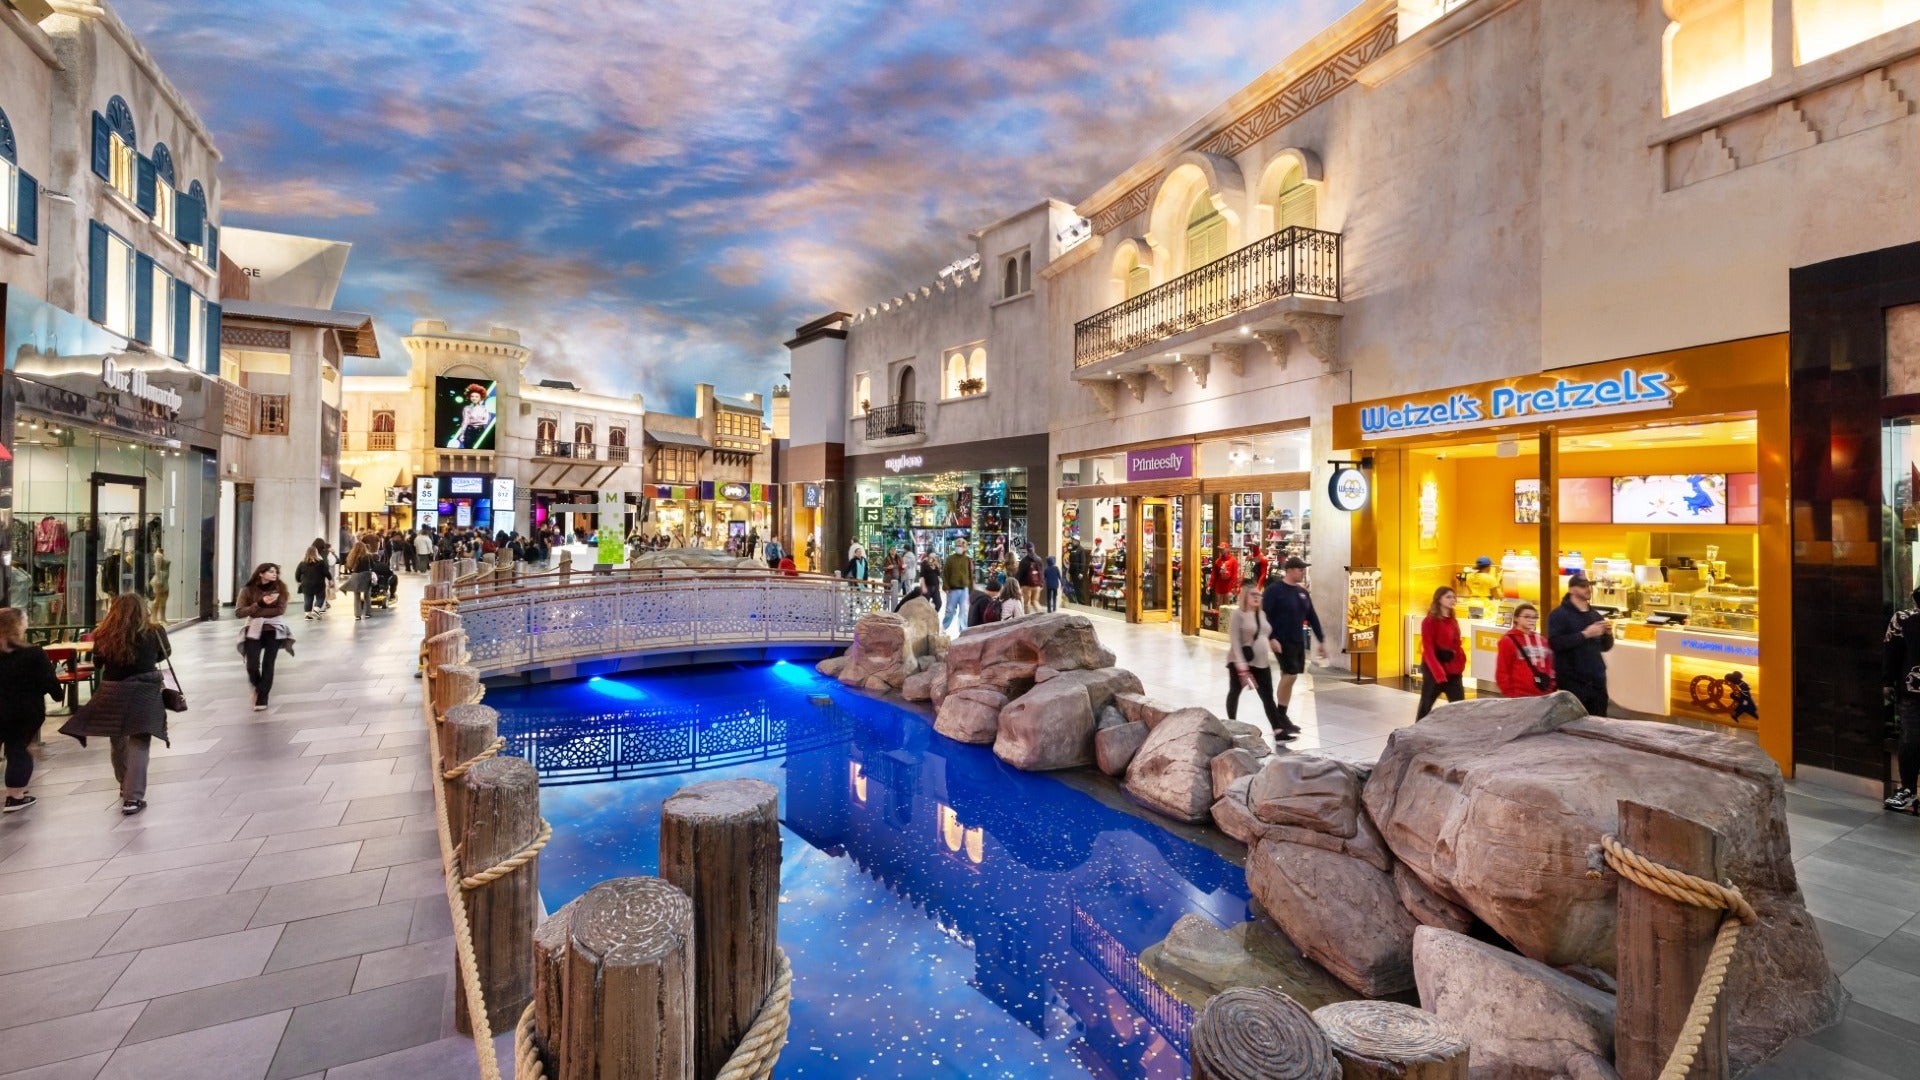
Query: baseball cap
[1483,561]
[1295,562]
[1577,580]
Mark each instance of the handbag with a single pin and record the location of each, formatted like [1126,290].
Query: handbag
[172,697]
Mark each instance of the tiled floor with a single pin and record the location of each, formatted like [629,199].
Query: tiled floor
[277,911]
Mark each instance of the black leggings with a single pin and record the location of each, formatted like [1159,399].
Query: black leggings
[1431,688]
[1262,685]
[260,655]
[1909,712]
[19,758]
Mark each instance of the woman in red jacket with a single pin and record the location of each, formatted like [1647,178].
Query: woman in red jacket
[1526,660]
[1443,658]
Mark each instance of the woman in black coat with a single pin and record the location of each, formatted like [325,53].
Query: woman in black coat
[310,576]
[27,680]
[128,709]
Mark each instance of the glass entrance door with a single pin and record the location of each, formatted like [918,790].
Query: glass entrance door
[1157,549]
[118,545]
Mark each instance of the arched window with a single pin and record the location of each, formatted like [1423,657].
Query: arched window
[116,151]
[120,121]
[207,248]
[1824,27]
[163,209]
[583,433]
[1206,232]
[862,394]
[383,420]
[905,385]
[1297,201]
[1026,271]
[617,436]
[964,372]
[19,194]
[546,433]
[8,150]
[163,162]
[1010,278]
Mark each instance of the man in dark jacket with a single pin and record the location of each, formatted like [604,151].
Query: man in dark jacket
[1288,607]
[1579,636]
[1900,657]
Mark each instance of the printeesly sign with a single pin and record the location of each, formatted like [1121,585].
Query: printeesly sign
[1160,463]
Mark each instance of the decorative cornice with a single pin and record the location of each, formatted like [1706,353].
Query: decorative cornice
[1198,365]
[1319,333]
[1276,343]
[1137,383]
[1133,202]
[1234,353]
[1105,391]
[1320,84]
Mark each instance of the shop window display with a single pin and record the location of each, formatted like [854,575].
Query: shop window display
[981,513]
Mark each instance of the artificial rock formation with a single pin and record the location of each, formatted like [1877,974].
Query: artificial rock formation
[1308,791]
[919,685]
[1007,655]
[1173,771]
[1496,805]
[1340,910]
[1114,747]
[1523,1019]
[971,715]
[1051,726]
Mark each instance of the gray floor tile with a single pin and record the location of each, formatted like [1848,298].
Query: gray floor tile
[49,992]
[241,1050]
[345,745]
[416,879]
[451,1058]
[240,998]
[1870,1046]
[53,905]
[362,1026]
[164,812]
[285,797]
[80,1068]
[57,943]
[369,787]
[1806,1061]
[322,896]
[180,834]
[327,734]
[167,886]
[398,965]
[1845,945]
[190,965]
[294,820]
[1862,914]
[397,849]
[48,877]
[432,918]
[55,850]
[301,865]
[185,920]
[149,862]
[358,770]
[385,806]
[347,933]
[1890,990]
[68,1037]
[283,840]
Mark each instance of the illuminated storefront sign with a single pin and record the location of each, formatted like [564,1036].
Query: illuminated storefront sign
[1160,463]
[1348,488]
[1616,389]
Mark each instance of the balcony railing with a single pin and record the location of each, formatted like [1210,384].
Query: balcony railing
[556,448]
[900,418]
[616,453]
[583,451]
[1295,261]
[380,440]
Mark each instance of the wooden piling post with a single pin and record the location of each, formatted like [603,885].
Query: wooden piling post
[566,567]
[501,812]
[1382,1040]
[457,684]
[624,976]
[465,732]
[720,844]
[1250,1033]
[1661,947]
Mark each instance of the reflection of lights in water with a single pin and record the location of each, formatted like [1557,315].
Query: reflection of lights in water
[859,780]
[789,672]
[615,689]
[959,837]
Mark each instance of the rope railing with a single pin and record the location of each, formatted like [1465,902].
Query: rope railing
[1698,892]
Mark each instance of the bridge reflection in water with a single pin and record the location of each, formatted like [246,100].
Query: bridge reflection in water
[922,879]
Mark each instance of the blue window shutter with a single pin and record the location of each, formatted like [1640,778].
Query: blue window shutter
[183,301]
[142,298]
[29,229]
[213,245]
[189,218]
[143,194]
[213,339]
[102,148]
[97,272]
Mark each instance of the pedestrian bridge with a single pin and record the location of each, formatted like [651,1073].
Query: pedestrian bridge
[569,625]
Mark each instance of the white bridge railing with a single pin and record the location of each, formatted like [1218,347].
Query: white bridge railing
[513,626]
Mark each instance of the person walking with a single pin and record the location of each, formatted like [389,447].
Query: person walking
[1525,665]
[1250,661]
[1580,637]
[813,554]
[262,601]
[128,710]
[929,576]
[1443,660]
[359,568]
[1012,606]
[1256,565]
[1900,678]
[310,577]
[890,573]
[1224,581]
[27,680]
[1051,576]
[422,550]
[1033,578]
[856,568]
[957,576]
[1289,610]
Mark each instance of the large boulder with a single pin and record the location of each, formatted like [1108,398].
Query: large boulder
[1173,772]
[1340,911]
[1523,1019]
[1423,905]
[1007,655]
[1308,791]
[1197,960]
[1233,815]
[971,716]
[919,685]
[924,640]
[1141,709]
[880,648]
[1114,747]
[1229,766]
[1051,726]
[1495,805]
[1249,738]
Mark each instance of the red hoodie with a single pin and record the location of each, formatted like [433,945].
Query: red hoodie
[1440,632]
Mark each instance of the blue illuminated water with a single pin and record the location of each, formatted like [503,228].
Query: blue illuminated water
[945,915]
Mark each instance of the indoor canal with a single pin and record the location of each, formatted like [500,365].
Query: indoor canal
[945,915]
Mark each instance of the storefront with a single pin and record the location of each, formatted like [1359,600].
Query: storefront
[110,480]
[1662,478]
[1124,518]
[934,500]
[708,514]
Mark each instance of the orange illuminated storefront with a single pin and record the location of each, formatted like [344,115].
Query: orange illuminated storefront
[1663,478]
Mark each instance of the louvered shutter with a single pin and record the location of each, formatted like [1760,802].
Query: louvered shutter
[213,245]
[144,195]
[142,298]
[212,359]
[189,218]
[1139,280]
[1297,206]
[183,301]
[1206,241]
[96,272]
[28,228]
[102,148]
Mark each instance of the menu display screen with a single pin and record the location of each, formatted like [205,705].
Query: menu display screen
[1681,499]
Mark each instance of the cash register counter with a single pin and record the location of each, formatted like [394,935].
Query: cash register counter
[1641,673]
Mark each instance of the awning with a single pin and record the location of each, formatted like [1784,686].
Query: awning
[675,438]
[348,483]
[355,329]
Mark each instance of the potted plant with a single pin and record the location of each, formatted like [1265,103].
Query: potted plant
[972,386]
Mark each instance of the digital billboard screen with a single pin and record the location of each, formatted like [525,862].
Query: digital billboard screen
[1690,499]
[465,413]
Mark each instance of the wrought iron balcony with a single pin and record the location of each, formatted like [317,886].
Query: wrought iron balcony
[616,453]
[1295,261]
[901,419]
[552,448]
[583,451]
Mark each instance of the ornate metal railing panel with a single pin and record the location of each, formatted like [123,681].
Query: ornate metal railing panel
[900,418]
[540,621]
[1295,261]
[1169,1015]
[640,741]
